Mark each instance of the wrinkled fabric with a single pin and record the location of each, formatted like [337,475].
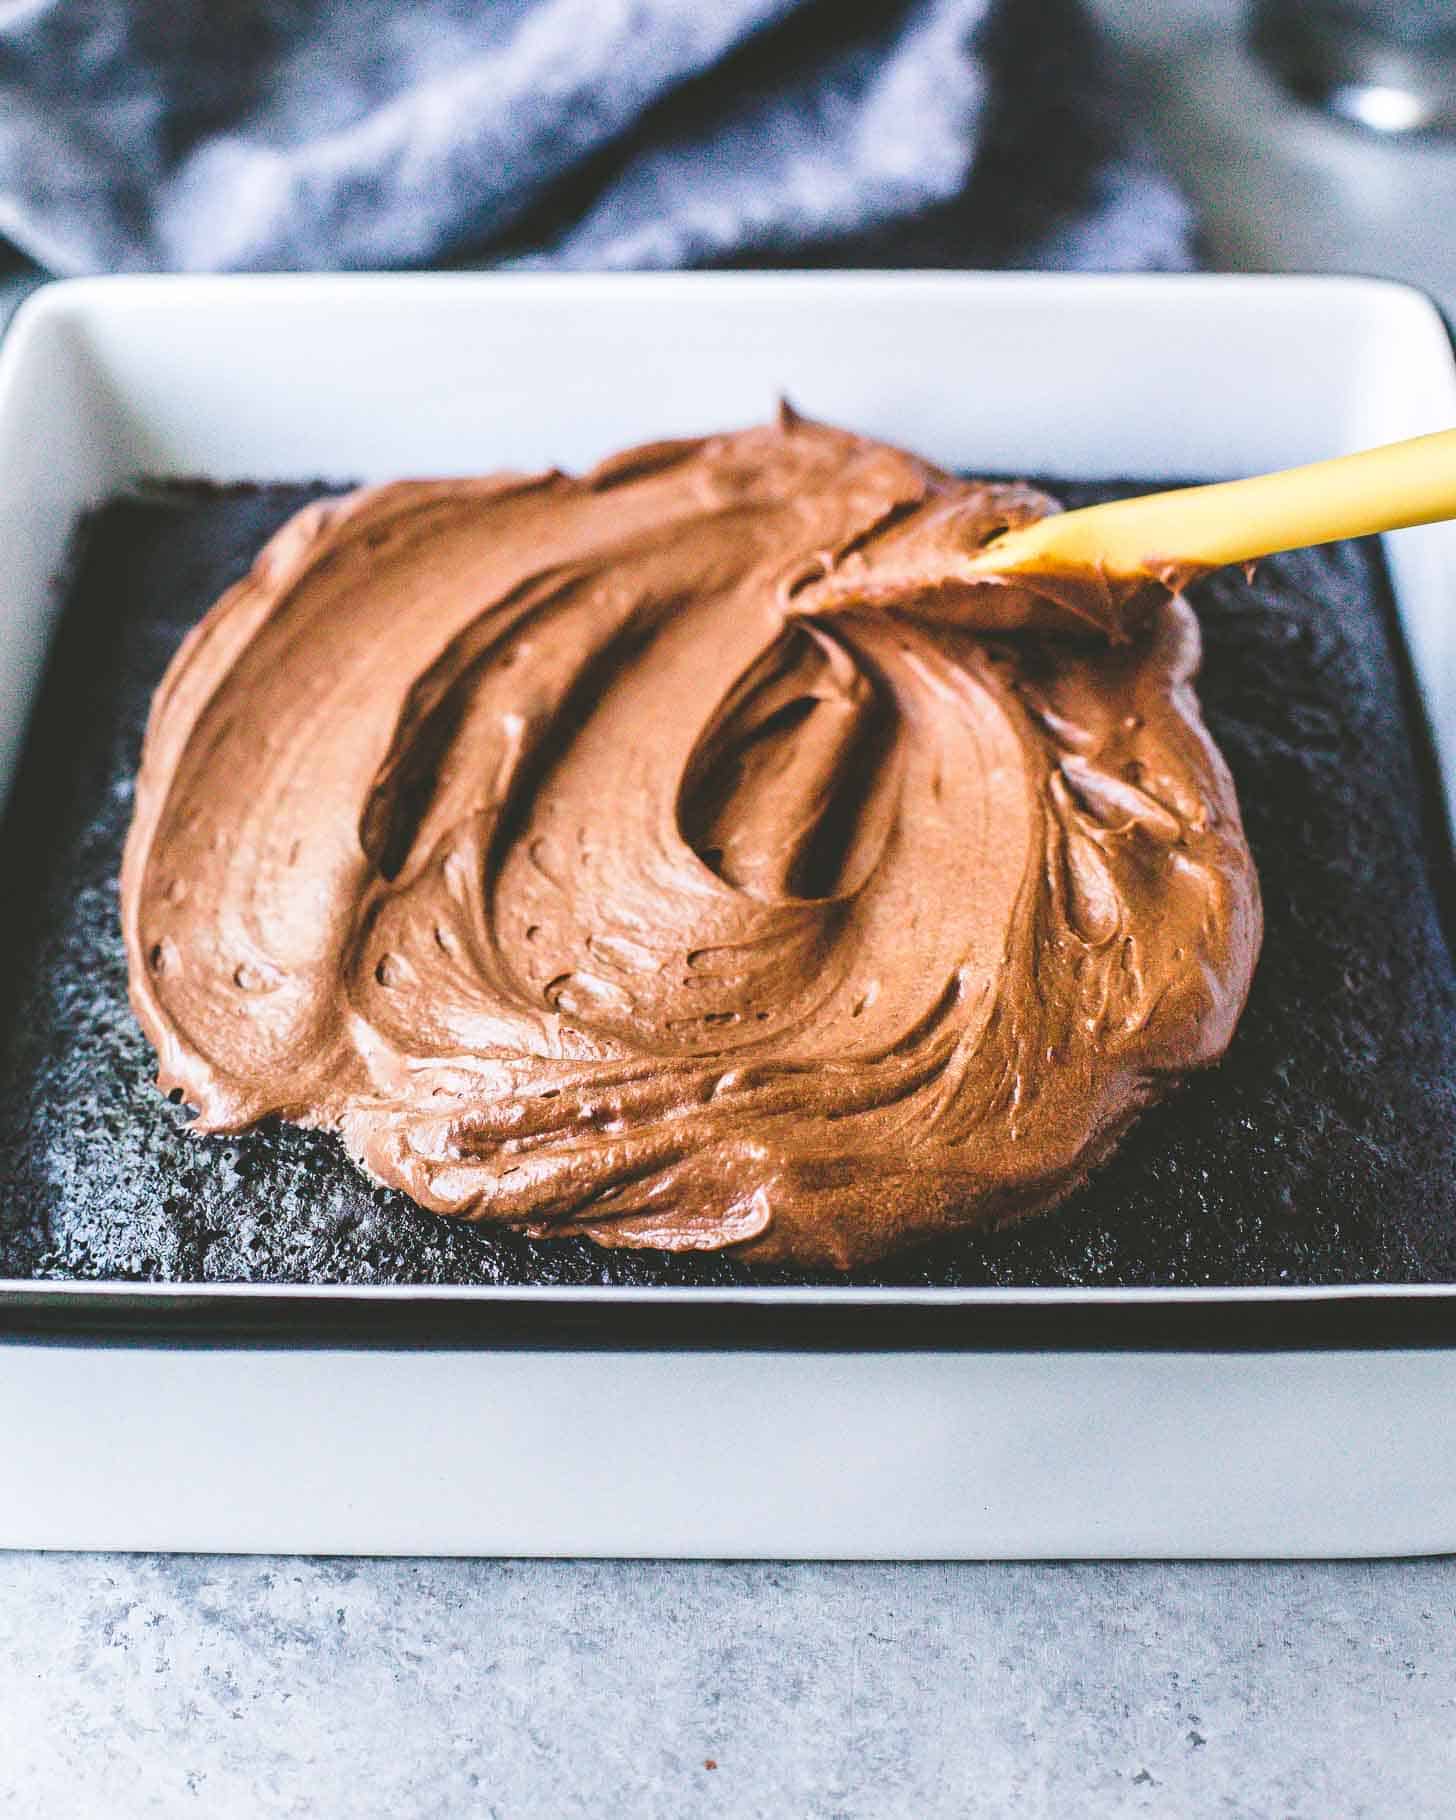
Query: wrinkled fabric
[235,135]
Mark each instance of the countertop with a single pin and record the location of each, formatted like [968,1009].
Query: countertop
[141,1685]
[137,1686]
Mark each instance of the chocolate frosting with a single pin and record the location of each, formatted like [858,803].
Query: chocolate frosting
[690,854]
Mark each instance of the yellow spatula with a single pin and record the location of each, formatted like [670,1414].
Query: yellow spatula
[1192,529]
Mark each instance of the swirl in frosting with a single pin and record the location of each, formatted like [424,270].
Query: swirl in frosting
[688,855]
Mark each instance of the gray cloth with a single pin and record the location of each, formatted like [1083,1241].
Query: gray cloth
[203,135]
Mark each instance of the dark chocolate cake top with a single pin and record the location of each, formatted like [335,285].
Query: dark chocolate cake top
[1318,1152]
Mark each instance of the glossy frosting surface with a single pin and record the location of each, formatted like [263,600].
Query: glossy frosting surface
[688,855]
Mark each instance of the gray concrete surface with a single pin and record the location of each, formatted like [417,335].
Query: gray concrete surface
[1282,187]
[322,1689]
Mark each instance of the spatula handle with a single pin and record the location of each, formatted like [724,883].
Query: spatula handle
[1383,489]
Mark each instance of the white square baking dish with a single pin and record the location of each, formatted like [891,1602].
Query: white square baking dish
[771,1422]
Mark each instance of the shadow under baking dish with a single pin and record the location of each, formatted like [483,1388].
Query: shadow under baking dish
[1319,1152]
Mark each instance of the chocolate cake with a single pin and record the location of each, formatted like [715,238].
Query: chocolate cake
[1318,1152]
